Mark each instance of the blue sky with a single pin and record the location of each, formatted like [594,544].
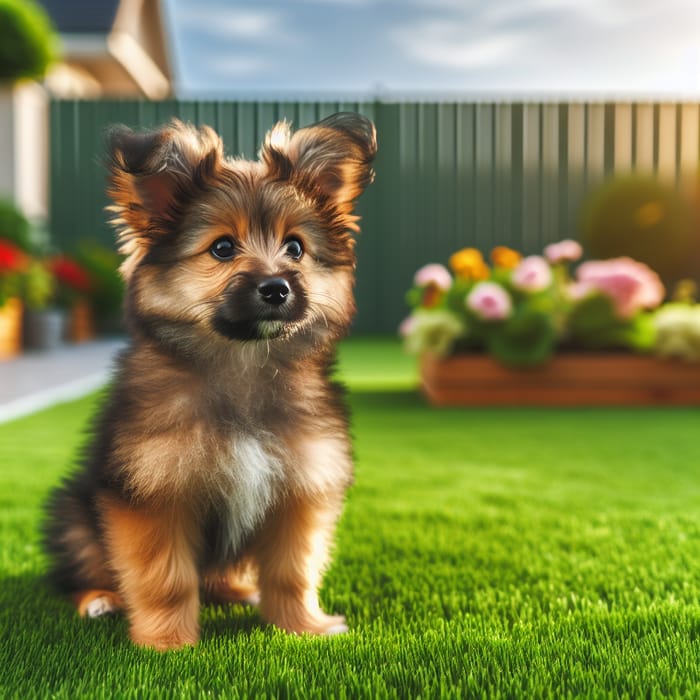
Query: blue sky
[461,48]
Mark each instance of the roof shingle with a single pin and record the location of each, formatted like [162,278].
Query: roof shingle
[81,16]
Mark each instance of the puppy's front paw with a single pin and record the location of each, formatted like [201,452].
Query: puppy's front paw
[165,642]
[165,629]
[335,625]
[307,622]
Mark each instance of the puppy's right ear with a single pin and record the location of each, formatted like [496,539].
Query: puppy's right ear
[154,175]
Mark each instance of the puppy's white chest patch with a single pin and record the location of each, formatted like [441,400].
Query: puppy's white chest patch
[254,473]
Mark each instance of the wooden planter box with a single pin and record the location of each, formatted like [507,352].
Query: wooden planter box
[567,380]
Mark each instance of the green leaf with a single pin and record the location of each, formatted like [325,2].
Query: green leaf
[527,338]
[594,324]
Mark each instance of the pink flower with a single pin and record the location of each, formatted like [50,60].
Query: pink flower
[532,275]
[630,284]
[490,302]
[433,275]
[563,251]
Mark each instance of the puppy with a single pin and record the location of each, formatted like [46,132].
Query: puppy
[219,463]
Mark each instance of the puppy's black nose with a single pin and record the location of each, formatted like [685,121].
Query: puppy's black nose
[274,290]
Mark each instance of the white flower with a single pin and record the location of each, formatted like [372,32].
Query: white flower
[431,331]
[678,332]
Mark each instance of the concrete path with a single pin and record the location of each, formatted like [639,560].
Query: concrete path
[37,380]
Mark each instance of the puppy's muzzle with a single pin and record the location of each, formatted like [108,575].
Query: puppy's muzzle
[274,291]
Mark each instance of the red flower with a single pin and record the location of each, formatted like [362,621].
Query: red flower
[12,259]
[69,273]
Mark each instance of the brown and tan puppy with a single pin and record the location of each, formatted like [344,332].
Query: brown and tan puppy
[219,463]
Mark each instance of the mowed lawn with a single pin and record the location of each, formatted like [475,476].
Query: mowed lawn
[482,553]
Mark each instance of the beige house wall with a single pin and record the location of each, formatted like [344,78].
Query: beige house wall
[24,134]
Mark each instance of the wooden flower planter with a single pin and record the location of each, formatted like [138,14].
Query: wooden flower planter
[81,325]
[595,379]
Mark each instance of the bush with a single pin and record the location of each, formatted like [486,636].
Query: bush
[640,217]
[28,43]
[102,264]
[14,225]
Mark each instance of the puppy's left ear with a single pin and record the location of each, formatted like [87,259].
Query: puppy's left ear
[331,161]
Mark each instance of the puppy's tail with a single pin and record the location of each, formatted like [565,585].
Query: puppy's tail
[72,541]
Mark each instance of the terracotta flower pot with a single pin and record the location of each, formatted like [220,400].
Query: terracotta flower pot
[10,328]
[569,379]
[81,323]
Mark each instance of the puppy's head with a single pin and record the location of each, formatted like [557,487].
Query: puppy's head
[236,250]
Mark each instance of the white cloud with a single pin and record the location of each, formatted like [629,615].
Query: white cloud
[451,45]
[473,54]
[234,66]
[229,22]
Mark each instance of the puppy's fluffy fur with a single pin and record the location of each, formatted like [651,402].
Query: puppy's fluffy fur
[219,463]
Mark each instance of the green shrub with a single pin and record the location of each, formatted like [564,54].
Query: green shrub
[102,264]
[14,225]
[644,219]
[28,43]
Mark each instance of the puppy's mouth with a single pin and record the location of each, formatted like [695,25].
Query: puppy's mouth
[245,329]
[261,310]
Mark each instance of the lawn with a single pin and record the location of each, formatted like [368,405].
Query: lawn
[482,553]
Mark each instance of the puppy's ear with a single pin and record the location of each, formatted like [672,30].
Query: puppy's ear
[153,177]
[330,161]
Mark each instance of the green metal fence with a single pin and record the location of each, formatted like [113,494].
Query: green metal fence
[448,174]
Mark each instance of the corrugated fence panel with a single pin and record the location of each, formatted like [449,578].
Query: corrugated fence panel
[449,175]
[689,140]
[532,185]
[644,140]
[623,138]
[668,138]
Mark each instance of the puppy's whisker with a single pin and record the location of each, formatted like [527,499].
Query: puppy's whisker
[323,316]
[326,300]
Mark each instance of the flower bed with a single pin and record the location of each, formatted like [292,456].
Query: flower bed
[529,331]
[60,296]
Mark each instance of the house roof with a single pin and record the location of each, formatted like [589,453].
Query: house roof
[82,16]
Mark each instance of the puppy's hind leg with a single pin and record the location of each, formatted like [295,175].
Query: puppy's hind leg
[78,564]
[235,584]
[96,602]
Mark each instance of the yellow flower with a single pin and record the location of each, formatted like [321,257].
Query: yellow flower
[469,263]
[502,256]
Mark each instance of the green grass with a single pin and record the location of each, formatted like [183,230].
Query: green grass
[482,553]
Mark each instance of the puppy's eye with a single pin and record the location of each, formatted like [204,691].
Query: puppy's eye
[293,248]
[223,248]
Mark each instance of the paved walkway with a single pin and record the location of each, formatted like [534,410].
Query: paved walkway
[36,380]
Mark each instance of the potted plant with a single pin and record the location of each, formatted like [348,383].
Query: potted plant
[73,286]
[107,291]
[13,264]
[44,321]
[529,330]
